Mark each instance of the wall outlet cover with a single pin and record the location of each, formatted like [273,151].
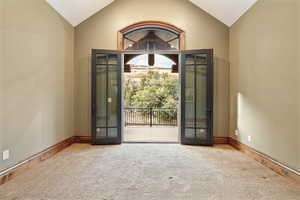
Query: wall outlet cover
[249,138]
[5,155]
[236,132]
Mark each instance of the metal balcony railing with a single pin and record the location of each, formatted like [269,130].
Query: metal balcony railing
[150,117]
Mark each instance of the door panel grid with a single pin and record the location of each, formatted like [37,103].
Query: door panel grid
[106,97]
[197,97]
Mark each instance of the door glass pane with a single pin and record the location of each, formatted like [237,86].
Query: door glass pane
[101,96]
[112,132]
[100,132]
[101,59]
[112,99]
[112,60]
[189,133]
[201,105]
[189,60]
[201,59]
[189,96]
[201,134]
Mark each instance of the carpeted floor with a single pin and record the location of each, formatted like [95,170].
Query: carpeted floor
[153,134]
[149,172]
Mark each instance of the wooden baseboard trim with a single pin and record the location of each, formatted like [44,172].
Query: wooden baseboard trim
[266,160]
[32,161]
[220,140]
[83,139]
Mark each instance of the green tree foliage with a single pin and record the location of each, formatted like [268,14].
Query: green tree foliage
[153,89]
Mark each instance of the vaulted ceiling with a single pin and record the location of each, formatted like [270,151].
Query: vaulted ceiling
[227,11]
[76,11]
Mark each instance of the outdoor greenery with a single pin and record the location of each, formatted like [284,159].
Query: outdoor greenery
[153,89]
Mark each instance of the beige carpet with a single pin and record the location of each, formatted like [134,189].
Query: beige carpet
[150,134]
[149,172]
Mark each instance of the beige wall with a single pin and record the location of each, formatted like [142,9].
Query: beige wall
[298,33]
[100,32]
[37,79]
[1,68]
[265,72]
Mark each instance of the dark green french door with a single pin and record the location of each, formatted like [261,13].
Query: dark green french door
[197,97]
[106,97]
[196,71]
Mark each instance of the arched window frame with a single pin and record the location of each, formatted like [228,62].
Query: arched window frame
[139,25]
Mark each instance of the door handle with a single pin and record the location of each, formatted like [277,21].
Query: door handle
[93,109]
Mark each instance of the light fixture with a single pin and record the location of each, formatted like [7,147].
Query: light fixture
[130,45]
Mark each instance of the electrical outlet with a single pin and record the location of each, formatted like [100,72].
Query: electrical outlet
[5,155]
[249,138]
[236,132]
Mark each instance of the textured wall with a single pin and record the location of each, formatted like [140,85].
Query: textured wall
[1,68]
[298,55]
[100,32]
[264,99]
[37,79]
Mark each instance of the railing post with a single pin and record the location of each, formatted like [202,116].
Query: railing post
[151,116]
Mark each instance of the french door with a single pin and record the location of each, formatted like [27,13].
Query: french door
[196,71]
[106,97]
[197,97]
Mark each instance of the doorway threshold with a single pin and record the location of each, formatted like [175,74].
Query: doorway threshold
[148,142]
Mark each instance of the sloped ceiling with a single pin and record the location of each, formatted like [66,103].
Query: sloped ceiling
[76,11]
[227,11]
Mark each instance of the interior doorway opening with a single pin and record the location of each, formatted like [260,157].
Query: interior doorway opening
[151,97]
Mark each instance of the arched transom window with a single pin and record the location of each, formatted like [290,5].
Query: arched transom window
[151,36]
